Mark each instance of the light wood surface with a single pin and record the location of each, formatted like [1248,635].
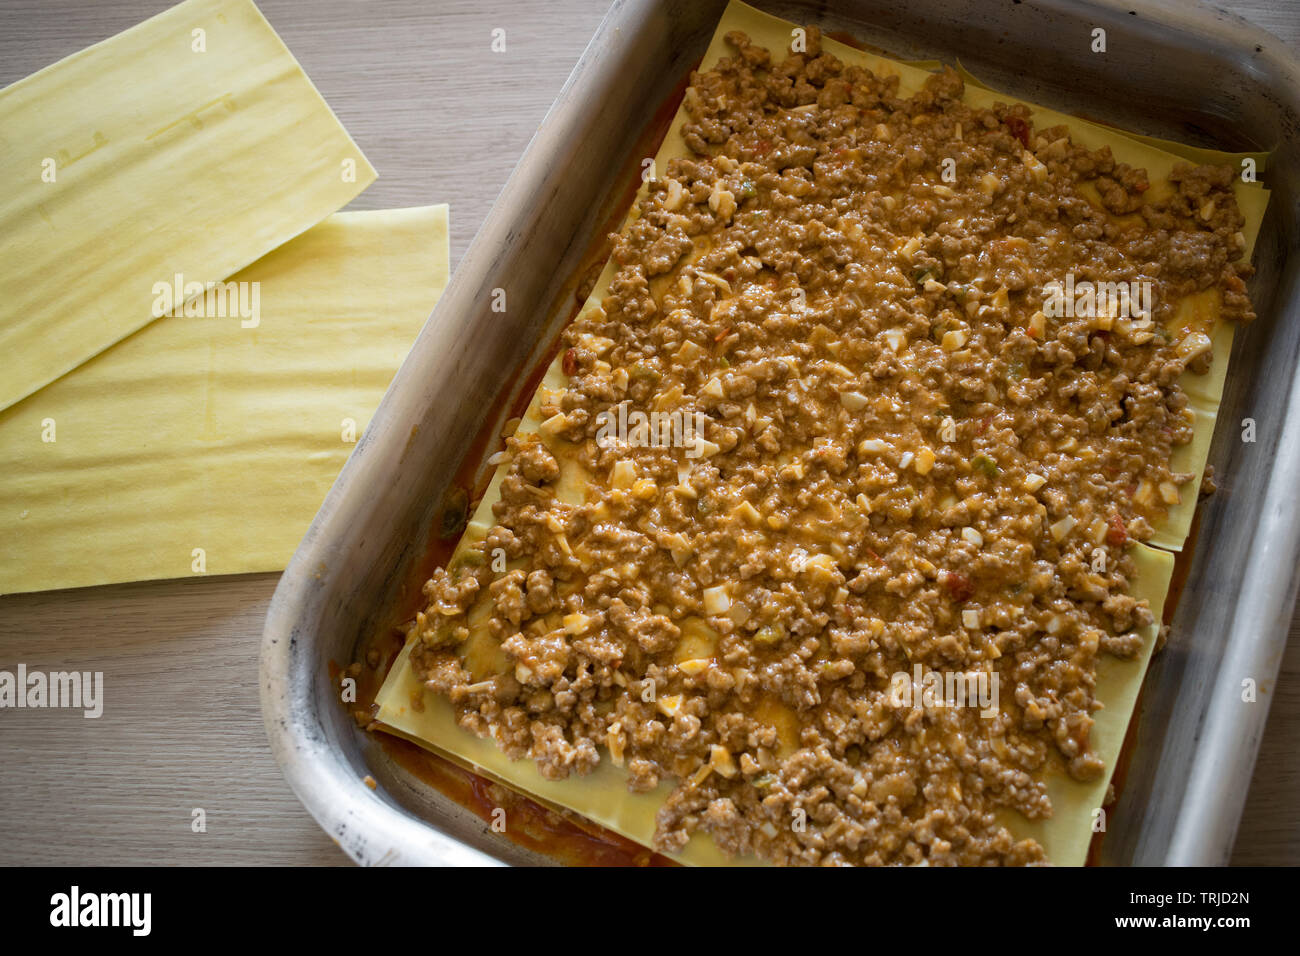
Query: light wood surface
[443,119]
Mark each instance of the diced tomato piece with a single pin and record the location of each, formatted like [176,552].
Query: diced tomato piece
[570,362]
[958,585]
[1117,533]
[1019,129]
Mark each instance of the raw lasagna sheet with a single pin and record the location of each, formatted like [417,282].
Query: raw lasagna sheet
[141,158]
[407,708]
[200,433]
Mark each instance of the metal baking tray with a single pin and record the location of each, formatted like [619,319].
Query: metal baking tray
[1173,69]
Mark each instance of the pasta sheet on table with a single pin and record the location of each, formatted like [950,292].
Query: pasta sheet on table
[199,445]
[175,153]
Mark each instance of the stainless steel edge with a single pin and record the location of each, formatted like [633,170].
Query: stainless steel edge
[1237,707]
[1176,68]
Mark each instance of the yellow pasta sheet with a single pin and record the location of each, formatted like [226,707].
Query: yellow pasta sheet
[208,433]
[188,146]
[1066,836]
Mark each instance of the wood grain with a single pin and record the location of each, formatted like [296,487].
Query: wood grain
[443,119]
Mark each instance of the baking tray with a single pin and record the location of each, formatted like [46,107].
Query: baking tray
[1173,69]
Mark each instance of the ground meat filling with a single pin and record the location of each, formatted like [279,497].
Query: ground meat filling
[903,465]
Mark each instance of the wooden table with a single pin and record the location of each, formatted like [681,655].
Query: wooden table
[443,120]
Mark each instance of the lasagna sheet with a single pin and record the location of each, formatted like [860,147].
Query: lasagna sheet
[197,438]
[173,154]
